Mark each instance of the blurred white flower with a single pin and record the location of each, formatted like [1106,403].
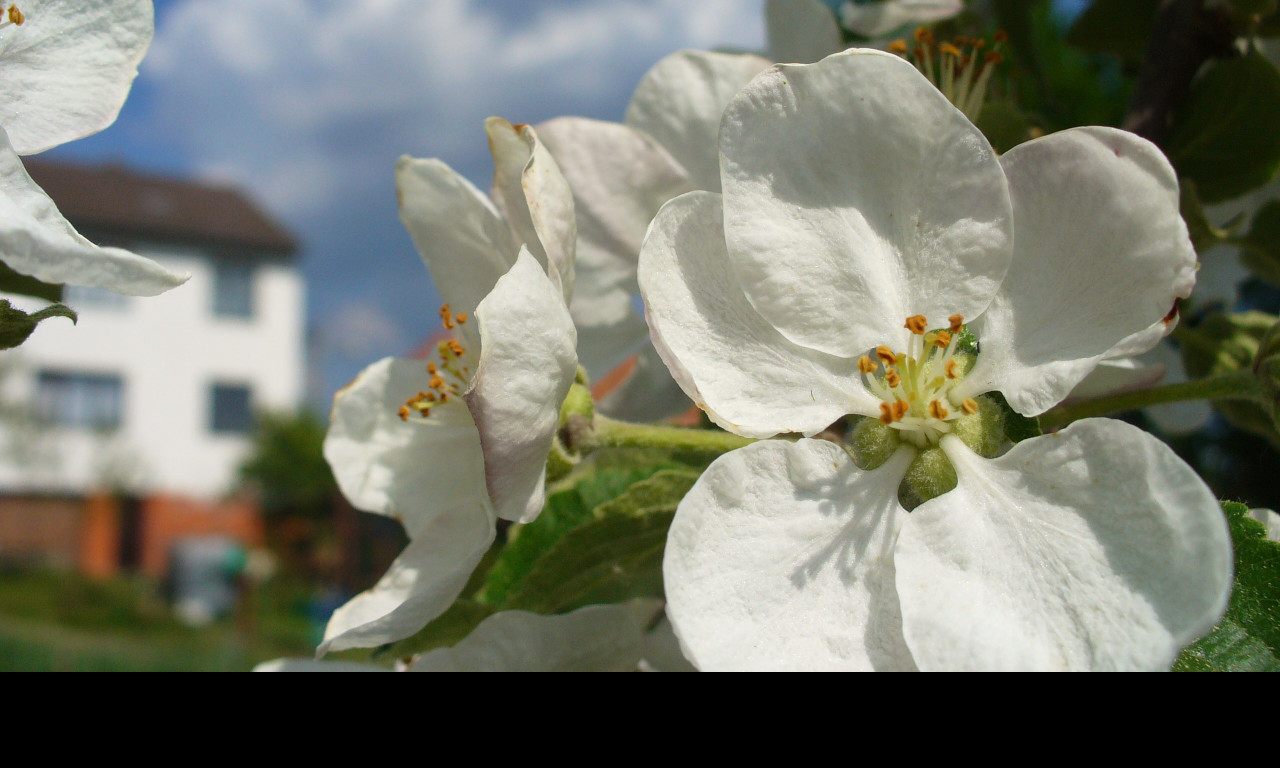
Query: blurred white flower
[856,197]
[68,65]
[450,445]
[876,19]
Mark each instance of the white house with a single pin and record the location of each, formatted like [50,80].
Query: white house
[155,395]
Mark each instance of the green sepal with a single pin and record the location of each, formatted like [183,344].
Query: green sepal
[16,325]
[930,475]
[872,442]
[1224,136]
[12,281]
[1247,639]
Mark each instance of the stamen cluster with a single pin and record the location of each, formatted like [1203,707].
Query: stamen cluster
[915,385]
[11,15]
[449,376]
[960,68]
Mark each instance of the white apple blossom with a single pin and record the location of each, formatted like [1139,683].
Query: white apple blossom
[67,67]
[595,638]
[864,223]
[621,174]
[801,31]
[450,445]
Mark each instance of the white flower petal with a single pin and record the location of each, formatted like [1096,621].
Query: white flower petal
[679,103]
[36,240]
[527,364]
[620,178]
[801,31]
[410,470]
[781,557]
[534,198]
[881,18]
[1269,519]
[726,357]
[1113,376]
[649,393]
[1102,254]
[68,68]
[420,585]
[597,638]
[1093,548]
[856,195]
[463,240]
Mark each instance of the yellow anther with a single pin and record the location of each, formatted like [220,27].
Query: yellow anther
[16,16]
[952,369]
[436,383]
[886,413]
[886,355]
[446,315]
[461,317]
[899,47]
[936,410]
[924,36]
[891,376]
[969,406]
[957,322]
[456,348]
[1000,36]
[948,49]
[993,57]
[917,324]
[900,408]
[941,339]
[432,369]
[867,366]
[404,413]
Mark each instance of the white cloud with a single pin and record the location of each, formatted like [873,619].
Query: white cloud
[302,94]
[308,103]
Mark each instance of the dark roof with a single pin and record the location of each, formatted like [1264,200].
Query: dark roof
[116,201]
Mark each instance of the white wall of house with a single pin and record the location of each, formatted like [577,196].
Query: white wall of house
[168,352]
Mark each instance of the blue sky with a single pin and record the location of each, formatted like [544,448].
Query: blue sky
[306,104]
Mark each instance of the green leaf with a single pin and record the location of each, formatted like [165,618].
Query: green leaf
[1120,27]
[1224,138]
[1203,234]
[16,325]
[615,557]
[1260,248]
[1016,426]
[16,282]
[1226,343]
[1003,124]
[1248,637]
[449,628]
[565,510]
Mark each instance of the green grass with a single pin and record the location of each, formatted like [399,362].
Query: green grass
[64,622]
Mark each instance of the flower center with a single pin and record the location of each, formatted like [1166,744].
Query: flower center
[960,69]
[915,386]
[450,377]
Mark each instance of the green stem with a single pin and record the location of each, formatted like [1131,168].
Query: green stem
[1240,385]
[607,433]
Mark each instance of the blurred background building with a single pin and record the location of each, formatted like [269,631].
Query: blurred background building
[124,434]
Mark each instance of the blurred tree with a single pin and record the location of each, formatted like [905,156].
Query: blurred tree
[286,467]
